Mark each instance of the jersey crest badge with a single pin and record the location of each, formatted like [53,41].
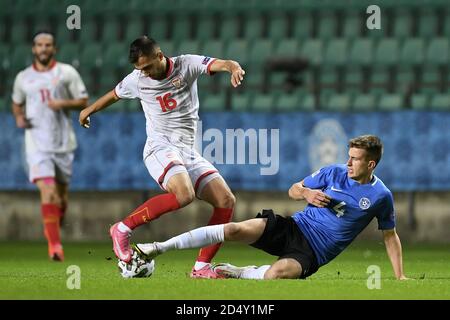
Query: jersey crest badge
[364,203]
[177,82]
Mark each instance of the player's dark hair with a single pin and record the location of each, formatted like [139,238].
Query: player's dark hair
[44,32]
[142,46]
[372,144]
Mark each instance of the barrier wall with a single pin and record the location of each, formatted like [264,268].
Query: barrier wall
[260,152]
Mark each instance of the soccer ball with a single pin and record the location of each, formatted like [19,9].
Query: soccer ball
[136,268]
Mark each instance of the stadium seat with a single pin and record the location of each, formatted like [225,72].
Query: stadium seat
[302,25]
[205,27]
[352,24]
[390,102]
[336,52]
[253,27]
[20,31]
[134,29]
[337,103]
[277,27]
[287,48]
[229,27]
[188,47]
[238,50]
[312,50]
[214,102]
[288,102]
[308,103]
[327,25]
[419,102]
[89,32]
[402,23]
[428,23]
[159,27]
[387,52]
[241,101]
[91,56]
[430,81]
[214,48]
[353,80]
[440,102]
[116,55]
[412,52]
[361,52]
[364,102]
[263,102]
[437,52]
[182,28]
[260,51]
[69,53]
[167,47]
[110,31]
[21,57]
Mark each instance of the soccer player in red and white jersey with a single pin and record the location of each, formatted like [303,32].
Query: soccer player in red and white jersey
[42,96]
[167,90]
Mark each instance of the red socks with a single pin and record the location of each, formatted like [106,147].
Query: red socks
[51,214]
[220,216]
[152,209]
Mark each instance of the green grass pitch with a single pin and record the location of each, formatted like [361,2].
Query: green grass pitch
[26,273]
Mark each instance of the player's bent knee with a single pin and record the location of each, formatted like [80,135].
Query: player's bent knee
[228,200]
[185,196]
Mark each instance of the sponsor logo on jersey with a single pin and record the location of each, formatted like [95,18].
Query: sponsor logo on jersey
[177,82]
[364,203]
[206,60]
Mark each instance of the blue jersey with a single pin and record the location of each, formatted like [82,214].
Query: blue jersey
[331,229]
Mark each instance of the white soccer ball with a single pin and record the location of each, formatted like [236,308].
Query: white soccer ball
[136,268]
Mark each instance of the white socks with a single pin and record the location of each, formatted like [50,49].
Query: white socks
[196,238]
[254,273]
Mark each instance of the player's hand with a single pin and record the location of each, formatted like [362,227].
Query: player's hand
[23,122]
[56,104]
[237,75]
[84,119]
[317,198]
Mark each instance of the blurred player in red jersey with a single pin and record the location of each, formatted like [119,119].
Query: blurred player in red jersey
[42,96]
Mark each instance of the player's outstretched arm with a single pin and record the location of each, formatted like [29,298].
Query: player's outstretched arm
[237,73]
[394,251]
[58,104]
[98,105]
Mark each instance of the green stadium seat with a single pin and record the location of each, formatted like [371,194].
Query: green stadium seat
[430,81]
[387,52]
[364,102]
[253,27]
[89,31]
[361,52]
[254,77]
[229,27]
[287,48]
[19,32]
[91,56]
[446,27]
[263,102]
[437,52]
[188,47]
[238,50]
[213,102]
[260,51]
[352,25]
[390,102]
[21,57]
[338,103]
[182,28]
[312,50]
[353,80]
[308,103]
[419,101]
[167,47]
[288,102]
[110,31]
[69,53]
[159,26]
[428,23]
[116,55]
[134,29]
[214,48]
[64,35]
[327,25]
[328,77]
[302,25]
[278,27]
[336,52]
[241,101]
[206,27]
[413,52]
[402,23]
[440,102]
[404,79]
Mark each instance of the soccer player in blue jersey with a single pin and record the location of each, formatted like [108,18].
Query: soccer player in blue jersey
[342,200]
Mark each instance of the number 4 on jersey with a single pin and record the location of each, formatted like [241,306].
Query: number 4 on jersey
[340,211]
[166,102]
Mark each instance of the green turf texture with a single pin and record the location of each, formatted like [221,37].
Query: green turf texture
[26,273]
